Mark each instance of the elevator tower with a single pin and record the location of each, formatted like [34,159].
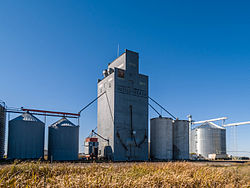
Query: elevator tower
[122,115]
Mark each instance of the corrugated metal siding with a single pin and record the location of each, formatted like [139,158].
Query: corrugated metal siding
[209,139]
[126,92]
[63,141]
[161,138]
[193,142]
[2,130]
[26,138]
[181,139]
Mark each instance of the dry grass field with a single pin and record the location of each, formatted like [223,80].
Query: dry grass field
[168,174]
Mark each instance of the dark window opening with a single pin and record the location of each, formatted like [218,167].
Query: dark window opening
[121,73]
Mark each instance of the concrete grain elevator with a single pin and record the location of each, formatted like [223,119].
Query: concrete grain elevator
[122,115]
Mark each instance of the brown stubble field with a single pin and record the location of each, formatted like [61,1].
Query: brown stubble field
[147,174]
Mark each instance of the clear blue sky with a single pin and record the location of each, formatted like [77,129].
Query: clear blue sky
[196,53]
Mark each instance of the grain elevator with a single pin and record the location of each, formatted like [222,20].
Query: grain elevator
[122,115]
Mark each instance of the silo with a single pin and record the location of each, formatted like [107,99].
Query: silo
[161,138]
[181,139]
[63,141]
[193,142]
[209,138]
[2,128]
[26,137]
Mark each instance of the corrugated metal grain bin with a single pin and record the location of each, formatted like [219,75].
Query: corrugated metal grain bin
[209,138]
[181,139]
[26,137]
[193,148]
[2,128]
[63,141]
[161,139]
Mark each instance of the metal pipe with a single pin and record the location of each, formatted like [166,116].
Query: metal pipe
[236,124]
[162,108]
[209,120]
[154,110]
[90,103]
[40,114]
[101,136]
[51,112]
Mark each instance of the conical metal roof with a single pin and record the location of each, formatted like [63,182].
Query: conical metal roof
[210,125]
[63,123]
[26,117]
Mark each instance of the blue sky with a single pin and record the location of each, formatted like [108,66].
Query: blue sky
[196,53]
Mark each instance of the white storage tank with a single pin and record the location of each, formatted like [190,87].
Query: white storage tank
[209,138]
[63,141]
[2,128]
[161,138]
[26,137]
[181,139]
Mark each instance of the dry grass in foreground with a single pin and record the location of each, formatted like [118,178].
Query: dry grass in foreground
[172,174]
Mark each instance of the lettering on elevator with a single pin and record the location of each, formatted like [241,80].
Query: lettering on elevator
[131,91]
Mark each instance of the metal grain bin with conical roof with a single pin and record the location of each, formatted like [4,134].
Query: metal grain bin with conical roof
[63,141]
[26,137]
[209,138]
[2,128]
[161,138]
